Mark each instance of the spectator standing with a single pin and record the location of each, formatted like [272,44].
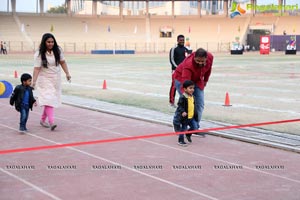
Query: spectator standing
[1,45]
[176,56]
[4,48]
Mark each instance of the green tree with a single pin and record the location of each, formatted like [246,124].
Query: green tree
[59,9]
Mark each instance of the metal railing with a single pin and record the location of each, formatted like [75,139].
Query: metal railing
[141,47]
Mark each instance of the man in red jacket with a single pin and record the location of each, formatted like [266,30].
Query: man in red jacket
[197,68]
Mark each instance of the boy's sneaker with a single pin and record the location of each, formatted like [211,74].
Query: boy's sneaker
[53,126]
[189,139]
[22,130]
[44,124]
[182,143]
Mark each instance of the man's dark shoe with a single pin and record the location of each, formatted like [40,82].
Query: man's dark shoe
[202,134]
[188,137]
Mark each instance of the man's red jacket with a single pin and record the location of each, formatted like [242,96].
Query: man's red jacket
[188,70]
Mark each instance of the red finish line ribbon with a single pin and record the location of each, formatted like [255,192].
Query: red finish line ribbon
[143,137]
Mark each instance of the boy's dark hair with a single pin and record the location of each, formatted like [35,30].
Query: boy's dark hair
[201,53]
[187,83]
[25,77]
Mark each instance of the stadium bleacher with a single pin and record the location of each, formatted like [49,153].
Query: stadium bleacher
[81,33]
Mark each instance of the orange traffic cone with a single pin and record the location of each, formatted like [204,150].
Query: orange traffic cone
[227,101]
[16,74]
[104,85]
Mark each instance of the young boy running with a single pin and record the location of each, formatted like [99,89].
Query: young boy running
[186,114]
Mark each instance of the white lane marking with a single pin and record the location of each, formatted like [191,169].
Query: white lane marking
[167,146]
[193,153]
[30,184]
[123,166]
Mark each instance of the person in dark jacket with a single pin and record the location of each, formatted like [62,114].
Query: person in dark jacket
[176,56]
[22,98]
[186,113]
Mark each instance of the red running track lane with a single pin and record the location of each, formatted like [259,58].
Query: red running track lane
[155,168]
[74,144]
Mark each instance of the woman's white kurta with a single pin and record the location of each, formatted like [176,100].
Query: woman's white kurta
[48,83]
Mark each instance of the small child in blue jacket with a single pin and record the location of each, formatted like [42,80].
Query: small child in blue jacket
[23,99]
[186,113]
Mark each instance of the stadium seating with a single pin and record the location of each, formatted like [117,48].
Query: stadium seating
[85,33]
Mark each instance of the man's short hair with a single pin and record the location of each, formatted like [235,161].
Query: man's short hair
[201,53]
[180,36]
[187,83]
[25,77]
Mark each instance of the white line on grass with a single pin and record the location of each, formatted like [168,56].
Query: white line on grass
[246,106]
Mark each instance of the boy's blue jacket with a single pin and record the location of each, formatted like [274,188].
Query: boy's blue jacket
[17,97]
[183,107]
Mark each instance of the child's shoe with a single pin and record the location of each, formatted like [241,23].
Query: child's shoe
[182,143]
[22,130]
[53,126]
[44,124]
[188,137]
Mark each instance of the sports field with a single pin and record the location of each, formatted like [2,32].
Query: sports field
[261,87]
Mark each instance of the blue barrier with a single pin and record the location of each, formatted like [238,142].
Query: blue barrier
[112,52]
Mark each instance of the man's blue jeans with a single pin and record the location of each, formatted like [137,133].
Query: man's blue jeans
[24,112]
[199,99]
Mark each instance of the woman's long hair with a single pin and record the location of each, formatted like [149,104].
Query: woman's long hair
[43,50]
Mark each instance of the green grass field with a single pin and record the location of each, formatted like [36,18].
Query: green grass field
[261,87]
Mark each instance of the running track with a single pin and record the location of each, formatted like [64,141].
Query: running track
[223,169]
